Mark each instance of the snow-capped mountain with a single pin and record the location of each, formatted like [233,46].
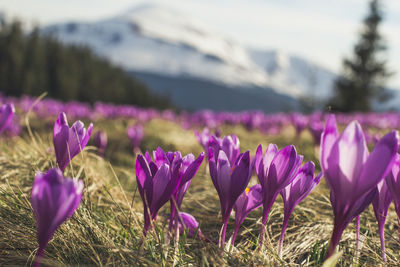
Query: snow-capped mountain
[293,75]
[153,38]
[156,39]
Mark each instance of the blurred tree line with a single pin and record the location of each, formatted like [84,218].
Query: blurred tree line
[32,64]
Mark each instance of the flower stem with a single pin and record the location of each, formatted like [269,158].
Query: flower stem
[282,237]
[237,227]
[336,235]
[267,208]
[39,256]
[171,216]
[357,237]
[397,209]
[382,238]
[223,233]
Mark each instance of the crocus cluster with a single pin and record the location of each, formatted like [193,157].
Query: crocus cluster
[162,178]
[271,124]
[230,173]
[54,197]
[355,176]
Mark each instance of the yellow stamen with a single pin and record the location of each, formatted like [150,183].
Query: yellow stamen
[247,191]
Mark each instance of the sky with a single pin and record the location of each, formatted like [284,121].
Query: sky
[321,31]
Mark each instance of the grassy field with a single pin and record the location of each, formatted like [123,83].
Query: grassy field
[107,227]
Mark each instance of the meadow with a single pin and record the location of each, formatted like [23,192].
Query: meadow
[107,227]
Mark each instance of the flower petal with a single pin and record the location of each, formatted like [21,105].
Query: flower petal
[379,163]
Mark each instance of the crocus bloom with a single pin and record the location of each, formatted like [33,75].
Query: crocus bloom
[157,181]
[299,122]
[316,128]
[190,225]
[135,134]
[54,199]
[230,144]
[6,114]
[100,141]
[275,171]
[351,172]
[248,201]
[203,137]
[190,166]
[229,181]
[13,128]
[393,183]
[69,142]
[301,186]
[381,203]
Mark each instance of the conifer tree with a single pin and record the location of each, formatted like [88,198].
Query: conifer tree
[364,74]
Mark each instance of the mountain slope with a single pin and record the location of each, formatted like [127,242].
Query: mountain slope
[154,39]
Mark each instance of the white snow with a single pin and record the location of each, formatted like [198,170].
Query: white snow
[156,39]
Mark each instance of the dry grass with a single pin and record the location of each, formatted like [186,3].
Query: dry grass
[107,227]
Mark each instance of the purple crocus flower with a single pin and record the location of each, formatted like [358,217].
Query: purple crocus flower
[275,171]
[203,137]
[351,172]
[6,114]
[248,201]
[13,128]
[393,183]
[54,199]
[157,181]
[381,203]
[316,128]
[189,224]
[301,186]
[135,134]
[190,166]
[230,144]
[69,142]
[100,141]
[229,181]
[299,122]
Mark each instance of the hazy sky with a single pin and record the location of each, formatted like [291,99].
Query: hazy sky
[322,31]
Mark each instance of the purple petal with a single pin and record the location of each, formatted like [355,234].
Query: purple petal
[160,182]
[281,171]
[240,176]
[160,157]
[192,169]
[379,162]
[328,139]
[6,114]
[259,159]
[224,175]
[353,152]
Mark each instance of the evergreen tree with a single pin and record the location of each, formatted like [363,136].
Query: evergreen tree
[365,74]
[35,63]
